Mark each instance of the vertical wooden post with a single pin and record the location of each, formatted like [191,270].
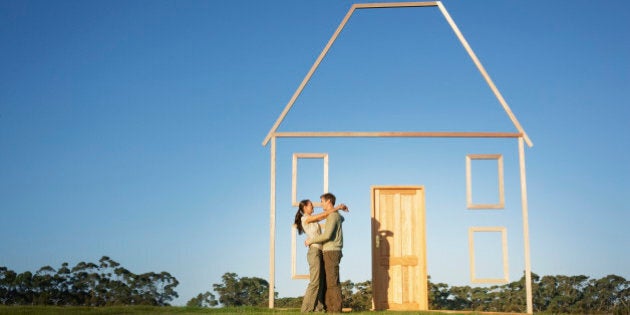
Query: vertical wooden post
[528,269]
[272,225]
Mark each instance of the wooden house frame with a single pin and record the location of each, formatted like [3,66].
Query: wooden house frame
[520,136]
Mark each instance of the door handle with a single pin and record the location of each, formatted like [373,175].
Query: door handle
[377,240]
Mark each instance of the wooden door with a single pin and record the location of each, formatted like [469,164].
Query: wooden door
[399,273]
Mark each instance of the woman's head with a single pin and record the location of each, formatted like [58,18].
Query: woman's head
[305,208]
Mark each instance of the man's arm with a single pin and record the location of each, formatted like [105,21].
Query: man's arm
[329,229]
[324,215]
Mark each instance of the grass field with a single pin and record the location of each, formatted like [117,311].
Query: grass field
[76,310]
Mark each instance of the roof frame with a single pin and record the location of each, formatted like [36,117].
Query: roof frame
[460,36]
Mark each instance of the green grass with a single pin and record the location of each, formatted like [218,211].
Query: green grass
[112,310]
[155,310]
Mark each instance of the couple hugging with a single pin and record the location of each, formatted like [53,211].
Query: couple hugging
[324,254]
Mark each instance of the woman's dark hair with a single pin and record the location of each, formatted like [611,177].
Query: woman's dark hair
[299,214]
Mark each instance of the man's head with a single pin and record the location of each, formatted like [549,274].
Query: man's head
[328,201]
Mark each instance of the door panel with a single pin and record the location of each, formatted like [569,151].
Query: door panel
[399,274]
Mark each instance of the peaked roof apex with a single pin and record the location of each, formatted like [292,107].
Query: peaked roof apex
[450,21]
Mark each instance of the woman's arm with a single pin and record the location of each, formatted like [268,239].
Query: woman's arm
[323,215]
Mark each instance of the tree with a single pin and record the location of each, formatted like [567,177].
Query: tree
[235,291]
[460,298]
[346,293]
[206,299]
[87,284]
[439,296]
[564,294]
[44,286]
[8,292]
[362,296]
[23,285]
[611,293]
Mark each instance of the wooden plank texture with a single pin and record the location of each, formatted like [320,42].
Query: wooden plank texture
[399,248]
[397,134]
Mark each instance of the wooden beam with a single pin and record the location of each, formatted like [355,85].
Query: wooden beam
[272,225]
[396,134]
[528,267]
[294,174]
[395,5]
[310,155]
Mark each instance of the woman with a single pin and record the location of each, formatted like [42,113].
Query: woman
[307,223]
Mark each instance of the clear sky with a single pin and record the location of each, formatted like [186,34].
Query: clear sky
[133,129]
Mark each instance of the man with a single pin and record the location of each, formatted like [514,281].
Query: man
[332,238]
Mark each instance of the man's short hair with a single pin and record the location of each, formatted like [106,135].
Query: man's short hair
[329,196]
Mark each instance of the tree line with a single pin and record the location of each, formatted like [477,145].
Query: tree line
[108,283]
[86,284]
[554,294]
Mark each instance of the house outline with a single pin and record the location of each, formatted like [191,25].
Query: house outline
[521,135]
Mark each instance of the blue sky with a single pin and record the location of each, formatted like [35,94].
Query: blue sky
[133,129]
